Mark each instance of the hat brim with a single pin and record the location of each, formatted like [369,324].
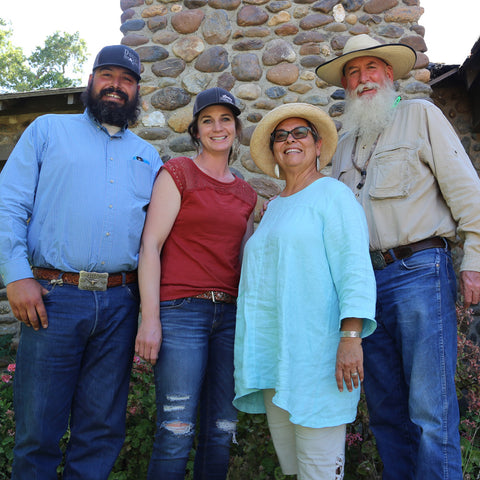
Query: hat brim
[260,140]
[113,64]
[235,110]
[400,57]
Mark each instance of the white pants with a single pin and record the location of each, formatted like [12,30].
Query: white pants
[309,453]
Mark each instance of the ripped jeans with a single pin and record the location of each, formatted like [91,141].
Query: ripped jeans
[194,374]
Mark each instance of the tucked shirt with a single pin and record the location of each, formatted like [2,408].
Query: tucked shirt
[202,251]
[420,182]
[73,197]
[304,269]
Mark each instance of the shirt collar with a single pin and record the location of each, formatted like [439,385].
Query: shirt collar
[97,124]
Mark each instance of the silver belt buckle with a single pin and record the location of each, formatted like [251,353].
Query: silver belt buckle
[378,262]
[92,281]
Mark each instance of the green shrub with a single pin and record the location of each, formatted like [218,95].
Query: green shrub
[252,455]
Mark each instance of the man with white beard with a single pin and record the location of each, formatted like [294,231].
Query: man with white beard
[419,190]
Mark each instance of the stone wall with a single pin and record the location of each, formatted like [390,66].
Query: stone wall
[456,105]
[8,323]
[265,52]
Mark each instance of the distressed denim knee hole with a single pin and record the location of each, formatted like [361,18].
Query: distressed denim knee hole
[229,427]
[178,428]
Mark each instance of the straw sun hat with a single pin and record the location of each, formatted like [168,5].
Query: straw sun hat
[400,57]
[260,141]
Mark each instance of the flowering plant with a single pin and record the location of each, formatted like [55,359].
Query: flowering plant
[7,419]
[468,392]
[254,456]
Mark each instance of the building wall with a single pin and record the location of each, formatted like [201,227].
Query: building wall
[265,52]
[456,105]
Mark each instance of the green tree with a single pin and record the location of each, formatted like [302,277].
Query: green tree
[47,67]
[13,63]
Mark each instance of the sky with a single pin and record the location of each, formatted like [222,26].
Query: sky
[98,22]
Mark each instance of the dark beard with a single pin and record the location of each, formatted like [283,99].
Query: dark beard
[109,112]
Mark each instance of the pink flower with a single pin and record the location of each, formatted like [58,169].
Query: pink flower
[354,439]
[11,368]
[6,378]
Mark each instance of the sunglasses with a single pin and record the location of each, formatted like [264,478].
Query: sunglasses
[297,133]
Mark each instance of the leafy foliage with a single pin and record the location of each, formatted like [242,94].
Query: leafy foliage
[468,392]
[252,455]
[47,67]
[7,420]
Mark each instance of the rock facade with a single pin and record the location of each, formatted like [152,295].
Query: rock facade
[8,323]
[265,52]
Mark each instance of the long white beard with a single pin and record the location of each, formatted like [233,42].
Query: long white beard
[367,117]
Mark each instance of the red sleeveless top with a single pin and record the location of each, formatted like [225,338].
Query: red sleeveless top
[202,250]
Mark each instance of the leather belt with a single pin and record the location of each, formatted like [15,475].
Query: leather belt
[85,280]
[381,259]
[216,297]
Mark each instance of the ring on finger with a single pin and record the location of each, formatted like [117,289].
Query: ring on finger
[354,374]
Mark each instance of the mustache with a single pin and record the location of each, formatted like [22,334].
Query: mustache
[368,85]
[109,90]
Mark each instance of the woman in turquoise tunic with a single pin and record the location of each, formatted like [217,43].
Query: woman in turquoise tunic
[306,299]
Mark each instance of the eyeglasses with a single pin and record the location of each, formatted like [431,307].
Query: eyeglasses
[297,133]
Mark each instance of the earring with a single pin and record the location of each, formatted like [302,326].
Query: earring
[318,164]
[276,169]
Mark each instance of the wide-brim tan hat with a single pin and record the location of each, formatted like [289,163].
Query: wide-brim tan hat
[400,57]
[260,141]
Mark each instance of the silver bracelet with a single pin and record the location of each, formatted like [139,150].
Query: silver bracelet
[349,334]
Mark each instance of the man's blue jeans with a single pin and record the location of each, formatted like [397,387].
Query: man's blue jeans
[75,372]
[410,363]
[194,373]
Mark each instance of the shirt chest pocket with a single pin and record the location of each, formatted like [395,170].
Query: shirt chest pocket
[391,173]
[141,179]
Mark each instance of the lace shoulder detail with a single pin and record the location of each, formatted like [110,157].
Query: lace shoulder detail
[180,170]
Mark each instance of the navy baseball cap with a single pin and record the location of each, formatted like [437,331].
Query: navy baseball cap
[215,96]
[119,56]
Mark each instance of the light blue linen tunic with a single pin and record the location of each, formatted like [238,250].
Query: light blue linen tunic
[305,268]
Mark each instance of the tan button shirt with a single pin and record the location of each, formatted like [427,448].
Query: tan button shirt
[420,182]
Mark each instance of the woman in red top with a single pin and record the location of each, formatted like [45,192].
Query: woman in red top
[199,218]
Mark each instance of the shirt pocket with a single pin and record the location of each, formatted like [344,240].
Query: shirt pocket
[141,175]
[391,173]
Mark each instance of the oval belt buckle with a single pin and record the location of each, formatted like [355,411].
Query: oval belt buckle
[378,261]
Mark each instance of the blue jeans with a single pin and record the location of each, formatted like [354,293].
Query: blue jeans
[194,372]
[75,372]
[410,363]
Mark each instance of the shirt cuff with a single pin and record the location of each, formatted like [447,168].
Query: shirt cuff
[15,270]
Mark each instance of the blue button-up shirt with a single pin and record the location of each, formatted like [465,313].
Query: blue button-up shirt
[73,197]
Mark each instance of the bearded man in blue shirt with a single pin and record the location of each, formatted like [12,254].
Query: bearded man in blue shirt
[73,196]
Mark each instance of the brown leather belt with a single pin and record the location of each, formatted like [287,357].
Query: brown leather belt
[71,278]
[381,259]
[217,297]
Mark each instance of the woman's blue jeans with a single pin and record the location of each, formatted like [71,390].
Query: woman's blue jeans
[194,375]
[410,363]
[75,373]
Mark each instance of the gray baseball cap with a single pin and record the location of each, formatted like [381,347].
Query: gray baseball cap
[215,96]
[119,56]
